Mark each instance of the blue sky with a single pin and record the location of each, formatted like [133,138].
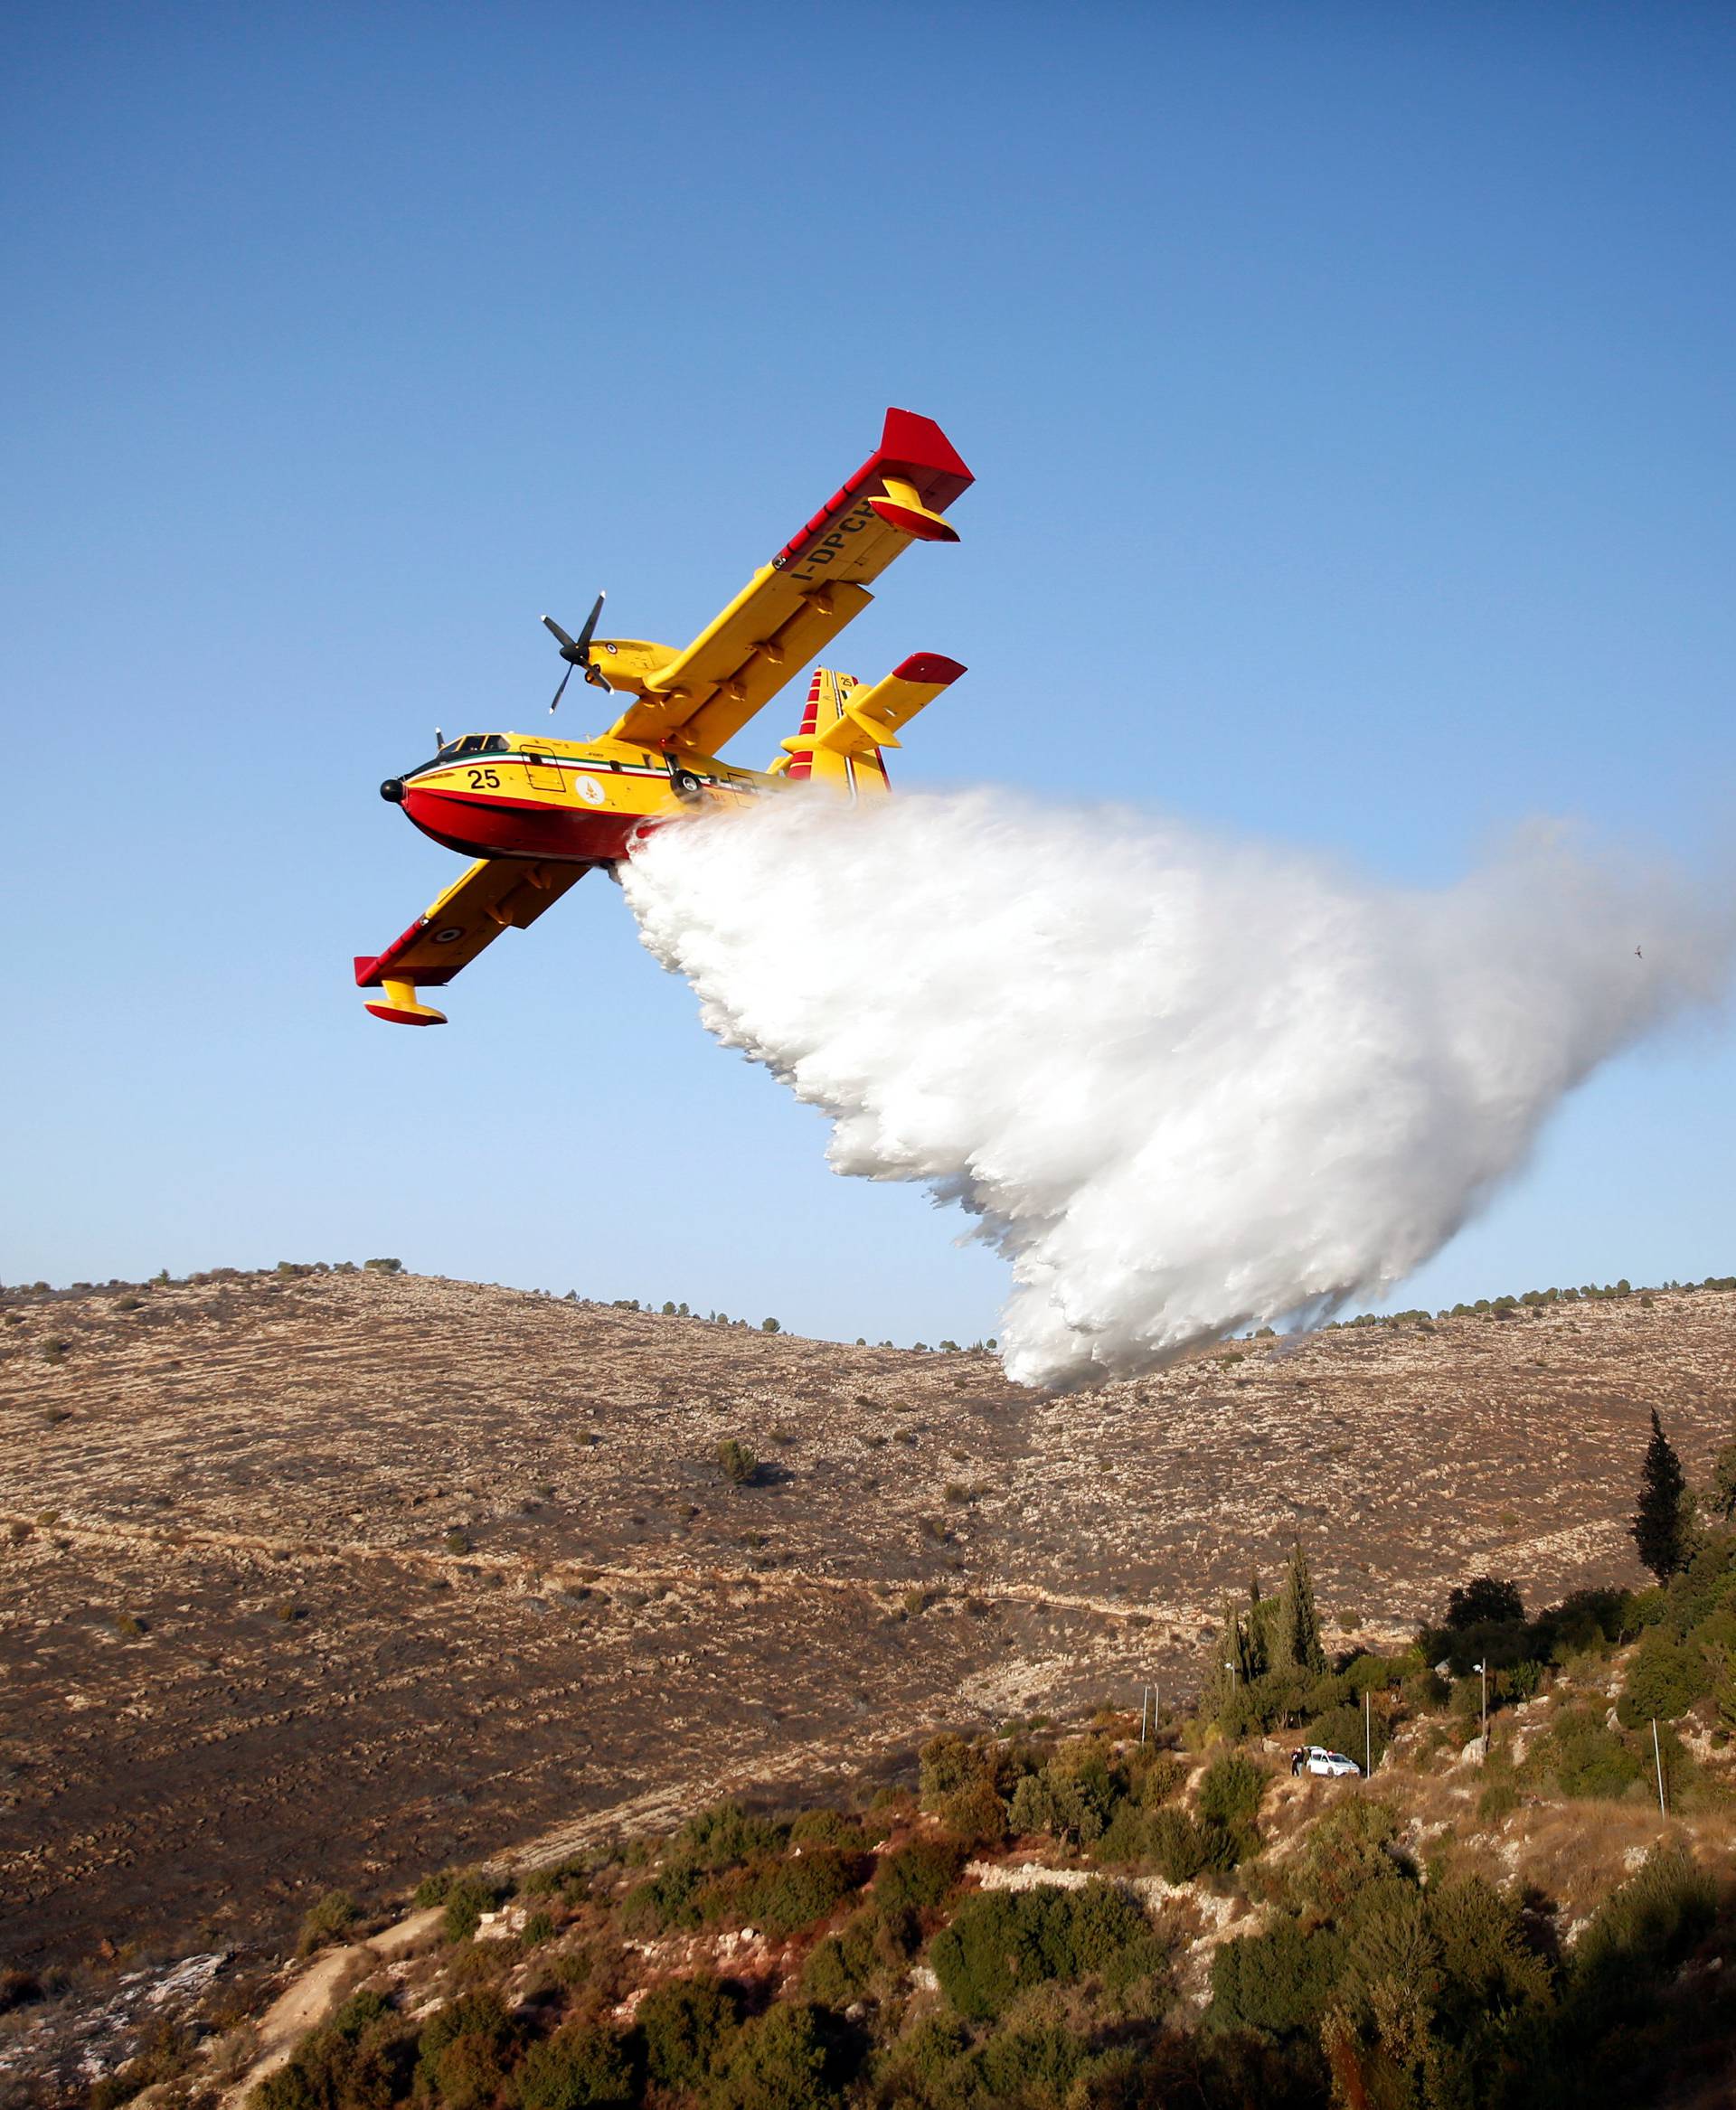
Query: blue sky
[1348,392]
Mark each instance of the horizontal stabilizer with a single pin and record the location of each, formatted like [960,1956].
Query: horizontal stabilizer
[873,718]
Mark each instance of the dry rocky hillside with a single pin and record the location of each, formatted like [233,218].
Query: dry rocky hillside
[334,1578]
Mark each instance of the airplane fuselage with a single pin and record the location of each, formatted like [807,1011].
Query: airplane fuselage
[569,802]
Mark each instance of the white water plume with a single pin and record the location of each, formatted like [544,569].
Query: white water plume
[1185,1085]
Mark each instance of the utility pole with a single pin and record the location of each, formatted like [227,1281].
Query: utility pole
[1483,1668]
[1368,1733]
[1657,1760]
[1144,1695]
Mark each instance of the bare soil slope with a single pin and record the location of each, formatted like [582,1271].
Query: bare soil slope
[245,1653]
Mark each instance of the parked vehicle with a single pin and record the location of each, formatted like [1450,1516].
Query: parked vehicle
[1331,1765]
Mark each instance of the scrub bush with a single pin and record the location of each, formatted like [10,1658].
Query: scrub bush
[918,1876]
[1665,1679]
[1281,1981]
[1645,1928]
[737,1463]
[684,2024]
[583,2067]
[1001,1943]
[785,2059]
[723,1836]
[1585,1759]
[326,1920]
[464,2051]
[360,2059]
[789,1895]
[467,1897]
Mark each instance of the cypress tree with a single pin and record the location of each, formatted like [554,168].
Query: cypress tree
[1258,1652]
[1657,1521]
[1301,1626]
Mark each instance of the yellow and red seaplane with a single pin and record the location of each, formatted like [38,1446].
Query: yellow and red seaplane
[537,814]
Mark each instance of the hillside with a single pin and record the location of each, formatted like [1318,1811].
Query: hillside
[332,1578]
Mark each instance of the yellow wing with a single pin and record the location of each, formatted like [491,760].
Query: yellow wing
[495,894]
[791,608]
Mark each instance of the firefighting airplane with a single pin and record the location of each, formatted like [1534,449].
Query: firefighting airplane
[537,814]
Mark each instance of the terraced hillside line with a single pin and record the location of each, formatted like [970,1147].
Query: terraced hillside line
[522,1571]
[332,1579]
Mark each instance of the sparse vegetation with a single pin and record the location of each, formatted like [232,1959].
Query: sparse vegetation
[328,1920]
[739,1463]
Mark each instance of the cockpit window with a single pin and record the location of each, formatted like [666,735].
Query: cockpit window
[473,743]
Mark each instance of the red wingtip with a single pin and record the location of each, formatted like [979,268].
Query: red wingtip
[920,442]
[927,666]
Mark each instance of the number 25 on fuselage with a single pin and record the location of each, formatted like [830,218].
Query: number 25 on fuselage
[538,814]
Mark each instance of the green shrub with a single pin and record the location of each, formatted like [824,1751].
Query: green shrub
[926,2066]
[789,1895]
[1126,1841]
[785,2059]
[434,1889]
[1645,1929]
[1034,2066]
[583,2067]
[737,1463]
[977,1815]
[361,2059]
[1665,1679]
[948,1765]
[464,2051]
[1345,1850]
[1281,1981]
[537,1929]
[1497,1800]
[1001,1943]
[1585,1759]
[467,1897]
[324,1921]
[667,1900]
[684,2024]
[839,1969]
[1175,1845]
[724,1836]
[1230,1791]
[920,1876]
[829,1828]
[1064,1801]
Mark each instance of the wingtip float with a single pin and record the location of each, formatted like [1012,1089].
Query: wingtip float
[537,813]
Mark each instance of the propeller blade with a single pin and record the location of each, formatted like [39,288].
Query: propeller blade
[561,689]
[589,630]
[561,638]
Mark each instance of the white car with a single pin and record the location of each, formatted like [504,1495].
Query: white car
[1332,1764]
